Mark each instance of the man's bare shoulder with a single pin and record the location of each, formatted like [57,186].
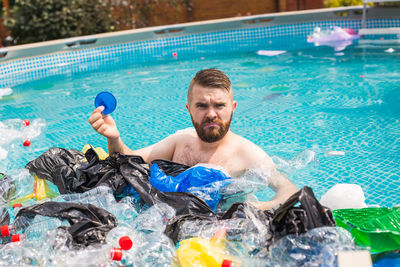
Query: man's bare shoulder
[184,135]
[181,137]
[251,152]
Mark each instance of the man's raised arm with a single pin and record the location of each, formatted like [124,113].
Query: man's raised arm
[106,126]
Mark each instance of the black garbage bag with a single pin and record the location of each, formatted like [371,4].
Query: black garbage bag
[287,219]
[88,224]
[71,174]
[291,219]
[7,187]
[244,211]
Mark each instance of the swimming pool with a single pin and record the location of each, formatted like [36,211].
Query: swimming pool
[298,106]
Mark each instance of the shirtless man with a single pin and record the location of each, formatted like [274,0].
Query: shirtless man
[210,104]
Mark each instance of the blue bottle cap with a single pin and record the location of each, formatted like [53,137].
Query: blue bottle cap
[107,100]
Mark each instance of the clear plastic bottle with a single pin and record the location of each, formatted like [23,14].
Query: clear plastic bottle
[90,256]
[39,223]
[122,236]
[101,196]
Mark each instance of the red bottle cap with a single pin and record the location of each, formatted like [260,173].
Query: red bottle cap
[125,242]
[116,254]
[26,122]
[15,238]
[226,263]
[27,143]
[4,230]
[18,205]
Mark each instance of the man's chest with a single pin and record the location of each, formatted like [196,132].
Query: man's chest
[226,158]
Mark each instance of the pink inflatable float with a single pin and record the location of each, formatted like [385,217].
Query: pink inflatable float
[337,37]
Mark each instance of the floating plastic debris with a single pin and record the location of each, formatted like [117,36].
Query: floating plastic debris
[5,92]
[3,153]
[271,96]
[337,37]
[335,153]
[270,53]
[279,87]
[26,143]
[344,196]
[242,85]
[26,122]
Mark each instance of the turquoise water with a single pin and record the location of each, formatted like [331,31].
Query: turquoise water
[296,106]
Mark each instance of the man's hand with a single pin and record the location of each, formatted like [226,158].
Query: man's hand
[266,205]
[104,124]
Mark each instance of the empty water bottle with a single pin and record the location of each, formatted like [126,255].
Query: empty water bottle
[154,219]
[37,226]
[90,256]
[122,236]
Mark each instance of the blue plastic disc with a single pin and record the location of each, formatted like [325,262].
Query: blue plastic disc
[107,100]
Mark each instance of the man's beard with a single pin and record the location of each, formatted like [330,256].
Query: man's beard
[212,134]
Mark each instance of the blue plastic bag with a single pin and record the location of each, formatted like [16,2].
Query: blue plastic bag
[203,182]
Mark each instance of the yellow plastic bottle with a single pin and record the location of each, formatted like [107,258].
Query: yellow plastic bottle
[202,252]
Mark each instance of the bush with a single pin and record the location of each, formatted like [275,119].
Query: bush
[43,20]
[339,3]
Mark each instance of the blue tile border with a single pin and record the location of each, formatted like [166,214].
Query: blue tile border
[282,37]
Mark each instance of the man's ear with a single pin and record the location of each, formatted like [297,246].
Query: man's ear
[234,105]
[187,107]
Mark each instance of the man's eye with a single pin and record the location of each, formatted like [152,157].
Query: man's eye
[201,106]
[220,105]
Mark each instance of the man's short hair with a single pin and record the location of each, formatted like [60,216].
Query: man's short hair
[210,78]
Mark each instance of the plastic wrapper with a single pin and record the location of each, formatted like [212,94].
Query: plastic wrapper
[317,247]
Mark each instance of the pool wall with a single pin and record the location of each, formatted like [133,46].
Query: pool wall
[277,31]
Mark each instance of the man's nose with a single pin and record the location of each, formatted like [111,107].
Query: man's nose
[211,114]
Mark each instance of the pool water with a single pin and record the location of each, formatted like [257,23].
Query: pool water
[298,106]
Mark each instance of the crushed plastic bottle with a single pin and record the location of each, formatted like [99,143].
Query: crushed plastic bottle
[17,254]
[154,219]
[150,249]
[317,247]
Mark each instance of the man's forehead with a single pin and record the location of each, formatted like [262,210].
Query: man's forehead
[203,93]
